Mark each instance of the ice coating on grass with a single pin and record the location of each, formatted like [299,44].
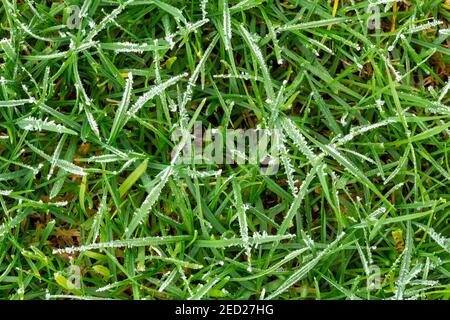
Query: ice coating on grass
[303,271]
[227,25]
[156,90]
[131,243]
[425,26]
[444,90]
[442,241]
[5,192]
[257,52]
[288,168]
[203,4]
[16,103]
[361,130]
[34,124]
[297,138]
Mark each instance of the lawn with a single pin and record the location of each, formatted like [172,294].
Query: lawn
[116,181]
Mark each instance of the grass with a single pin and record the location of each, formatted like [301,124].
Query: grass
[93,206]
